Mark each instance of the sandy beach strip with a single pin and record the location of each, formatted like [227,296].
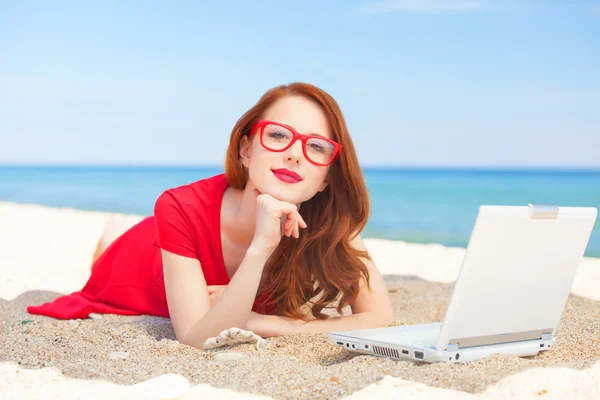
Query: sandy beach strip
[45,252]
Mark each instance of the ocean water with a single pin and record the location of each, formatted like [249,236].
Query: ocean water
[415,205]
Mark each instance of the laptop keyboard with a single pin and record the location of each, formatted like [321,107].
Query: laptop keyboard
[421,335]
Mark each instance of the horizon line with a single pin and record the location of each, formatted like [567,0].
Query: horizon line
[514,167]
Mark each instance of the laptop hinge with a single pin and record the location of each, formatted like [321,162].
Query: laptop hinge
[546,336]
[452,347]
[537,211]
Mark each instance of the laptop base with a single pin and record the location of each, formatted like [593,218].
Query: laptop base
[417,343]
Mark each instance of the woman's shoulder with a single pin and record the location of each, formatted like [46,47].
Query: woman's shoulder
[202,193]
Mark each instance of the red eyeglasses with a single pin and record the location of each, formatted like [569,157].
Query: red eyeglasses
[279,137]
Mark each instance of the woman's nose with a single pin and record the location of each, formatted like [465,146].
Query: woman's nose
[295,152]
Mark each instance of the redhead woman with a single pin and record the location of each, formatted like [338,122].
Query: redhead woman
[265,247]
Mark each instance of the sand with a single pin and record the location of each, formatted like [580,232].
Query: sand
[45,252]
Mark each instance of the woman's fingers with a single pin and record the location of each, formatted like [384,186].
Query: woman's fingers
[292,221]
[214,292]
[215,288]
[292,230]
[301,222]
[288,224]
[293,224]
[214,296]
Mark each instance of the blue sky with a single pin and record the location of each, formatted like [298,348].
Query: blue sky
[421,83]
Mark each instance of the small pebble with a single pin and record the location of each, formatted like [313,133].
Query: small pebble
[118,355]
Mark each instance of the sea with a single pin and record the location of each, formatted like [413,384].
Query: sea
[418,205]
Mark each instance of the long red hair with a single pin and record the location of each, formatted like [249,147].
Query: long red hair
[320,267]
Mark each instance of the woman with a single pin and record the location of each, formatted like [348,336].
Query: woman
[275,235]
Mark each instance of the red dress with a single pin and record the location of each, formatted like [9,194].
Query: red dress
[127,278]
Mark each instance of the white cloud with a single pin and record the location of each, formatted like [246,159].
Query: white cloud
[422,6]
[595,8]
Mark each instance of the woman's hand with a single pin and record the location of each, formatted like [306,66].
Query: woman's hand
[274,218]
[214,292]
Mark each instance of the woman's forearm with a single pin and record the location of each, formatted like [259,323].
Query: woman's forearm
[364,320]
[280,326]
[233,307]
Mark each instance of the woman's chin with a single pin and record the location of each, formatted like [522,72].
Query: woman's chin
[282,191]
[283,194]
[282,197]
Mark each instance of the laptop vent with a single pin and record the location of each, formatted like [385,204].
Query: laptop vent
[386,351]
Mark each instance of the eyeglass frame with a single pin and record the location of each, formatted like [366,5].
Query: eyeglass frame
[260,125]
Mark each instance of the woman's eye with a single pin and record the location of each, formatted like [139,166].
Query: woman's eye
[277,135]
[317,147]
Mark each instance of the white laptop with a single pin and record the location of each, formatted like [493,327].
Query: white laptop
[513,285]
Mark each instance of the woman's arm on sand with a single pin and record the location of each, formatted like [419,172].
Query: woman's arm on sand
[371,309]
[273,325]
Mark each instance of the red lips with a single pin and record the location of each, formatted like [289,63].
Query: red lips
[289,173]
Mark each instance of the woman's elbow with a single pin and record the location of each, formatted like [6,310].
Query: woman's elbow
[195,342]
[189,338]
[182,338]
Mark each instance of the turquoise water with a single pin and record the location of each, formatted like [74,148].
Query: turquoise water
[415,205]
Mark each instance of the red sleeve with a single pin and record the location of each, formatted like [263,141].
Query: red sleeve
[174,233]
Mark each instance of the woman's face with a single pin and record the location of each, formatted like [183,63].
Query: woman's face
[306,117]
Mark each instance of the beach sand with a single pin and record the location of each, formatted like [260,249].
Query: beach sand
[45,252]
